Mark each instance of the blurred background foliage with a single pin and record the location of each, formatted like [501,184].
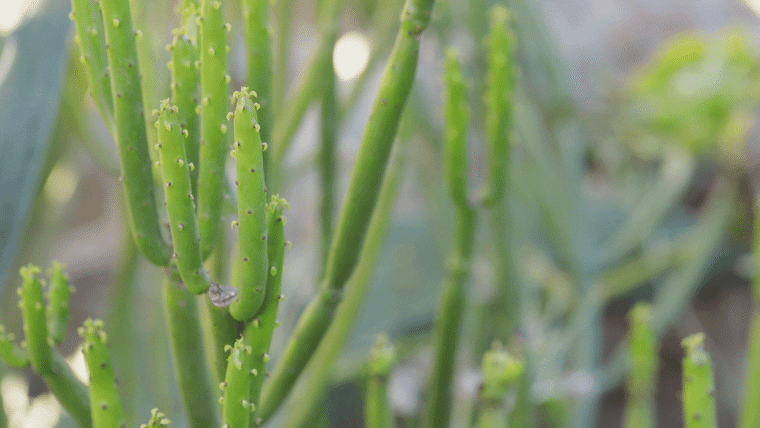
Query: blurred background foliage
[633,174]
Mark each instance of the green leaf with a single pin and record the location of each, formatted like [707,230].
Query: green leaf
[32,64]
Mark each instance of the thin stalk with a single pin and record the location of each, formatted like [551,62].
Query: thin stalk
[360,201]
[131,138]
[377,409]
[327,166]
[59,298]
[283,9]
[311,390]
[190,366]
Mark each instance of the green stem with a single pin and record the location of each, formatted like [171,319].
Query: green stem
[190,366]
[361,197]
[91,39]
[213,108]
[131,138]
[698,385]
[500,372]
[59,299]
[266,320]
[252,261]
[311,390]
[281,75]
[259,47]
[107,411]
[10,353]
[180,205]
[642,344]
[185,81]
[327,166]
[377,410]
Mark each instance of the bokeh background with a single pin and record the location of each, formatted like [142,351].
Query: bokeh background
[633,177]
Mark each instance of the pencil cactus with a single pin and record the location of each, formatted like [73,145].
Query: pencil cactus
[180,204]
[131,138]
[213,108]
[377,411]
[361,196]
[499,86]
[91,39]
[252,264]
[236,399]
[642,343]
[107,411]
[185,86]
[698,385]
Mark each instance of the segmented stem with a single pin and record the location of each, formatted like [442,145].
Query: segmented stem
[91,40]
[252,262]
[642,345]
[698,385]
[130,136]
[499,86]
[456,119]
[179,199]
[105,402]
[377,410]
[213,108]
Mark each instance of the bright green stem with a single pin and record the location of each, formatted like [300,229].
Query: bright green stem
[311,391]
[105,402]
[213,108]
[280,78]
[377,410]
[190,366]
[500,372]
[236,401]
[157,420]
[35,321]
[266,321]
[308,89]
[361,197]
[91,39]
[131,138]
[327,168]
[59,298]
[499,86]
[73,396]
[10,353]
[456,117]
[252,264]
[179,199]
[185,87]
[449,320]
[642,346]
[698,385]
[259,47]
[376,143]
